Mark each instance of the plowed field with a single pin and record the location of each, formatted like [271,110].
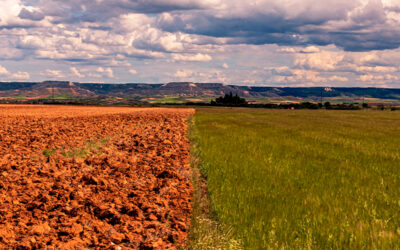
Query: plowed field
[84,177]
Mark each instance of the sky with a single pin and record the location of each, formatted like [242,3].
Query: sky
[291,43]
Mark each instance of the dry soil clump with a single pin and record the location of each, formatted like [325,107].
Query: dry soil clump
[76,177]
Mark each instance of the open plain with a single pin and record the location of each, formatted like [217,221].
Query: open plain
[303,179]
[78,177]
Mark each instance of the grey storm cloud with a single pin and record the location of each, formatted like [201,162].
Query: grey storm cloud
[358,25]
[93,11]
[351,27]
[31,15]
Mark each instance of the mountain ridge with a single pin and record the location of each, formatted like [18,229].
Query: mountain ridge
[47,89]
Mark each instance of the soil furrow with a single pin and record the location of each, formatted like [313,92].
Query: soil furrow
[130,190]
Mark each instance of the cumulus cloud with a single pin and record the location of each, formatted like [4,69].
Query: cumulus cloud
[338,79]
[158,6]
[324,60]
[199,76]
[192,58]
[378,78]
[330,66]
[91,11]
[52,73]
[21,76]
[352,25]
[301,40]
[3,71]
[292,50]
[14,14]
[107,72]
[14,76]
[31,15]
[280,71]
[132,71]
[76,72]
[9,11]
[356,62]
[376,69]
[183,74]
[310,49]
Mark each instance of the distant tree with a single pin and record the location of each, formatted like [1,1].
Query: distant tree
[309,105]
[365,105]
[327,105]
[229,99]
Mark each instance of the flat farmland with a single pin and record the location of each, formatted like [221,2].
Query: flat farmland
[82,177]
[301,179]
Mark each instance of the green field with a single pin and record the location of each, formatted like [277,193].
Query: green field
[303,179]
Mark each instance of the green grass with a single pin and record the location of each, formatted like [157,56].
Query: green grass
[303,179]
[169,99]
[206,232]
[49,152]
[89,148]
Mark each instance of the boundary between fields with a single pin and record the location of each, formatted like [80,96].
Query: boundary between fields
[205,232]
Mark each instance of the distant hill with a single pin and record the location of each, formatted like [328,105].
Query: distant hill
[59,89]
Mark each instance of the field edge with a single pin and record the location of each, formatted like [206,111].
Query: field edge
[206,231]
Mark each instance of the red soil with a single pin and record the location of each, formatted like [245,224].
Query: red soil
[108,178]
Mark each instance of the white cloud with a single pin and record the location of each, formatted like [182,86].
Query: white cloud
[324,60]
[9,11]
[282,71]
[310,49]
[338,79]
[100,69]
[17,14]
[107,72]
[286,50]
[76,72]
[183,74]
[378,78]
[192,58]
[291,50]
[300,76]
[21,76]
[377,69]
[210,75]
[53,73]
[3,71]
[367,78]
[265,40]
[18,75]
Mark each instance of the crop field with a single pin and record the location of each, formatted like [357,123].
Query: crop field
[119,177]
[83,177]
[303,179]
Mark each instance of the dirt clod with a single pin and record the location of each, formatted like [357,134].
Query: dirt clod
[89,177]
